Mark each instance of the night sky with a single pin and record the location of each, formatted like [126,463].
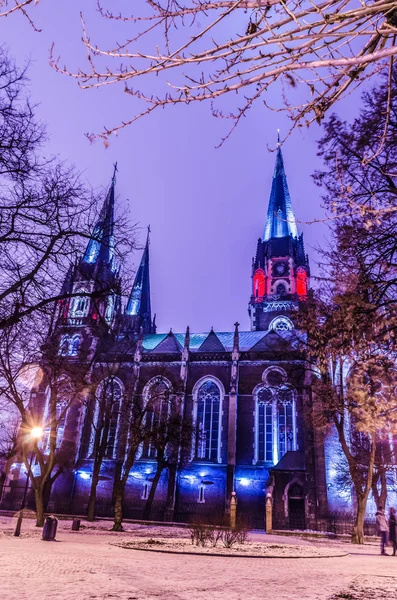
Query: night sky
[206,207]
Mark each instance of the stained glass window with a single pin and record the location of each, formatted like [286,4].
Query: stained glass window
[285,428]
[265,425]
[75,346]
[158,406]
[106,415]
[275,419]
[208,415]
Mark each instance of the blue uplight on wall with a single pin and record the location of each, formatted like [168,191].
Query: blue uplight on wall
[244,481]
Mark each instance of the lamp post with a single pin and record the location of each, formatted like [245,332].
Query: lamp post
[36,434]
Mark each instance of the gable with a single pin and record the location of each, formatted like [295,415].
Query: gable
[212,344]
[169,345]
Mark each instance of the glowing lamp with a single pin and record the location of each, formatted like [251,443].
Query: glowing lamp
[36,433]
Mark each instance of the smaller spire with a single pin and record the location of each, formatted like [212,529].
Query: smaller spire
[139,301]
[187,338]
[278,138]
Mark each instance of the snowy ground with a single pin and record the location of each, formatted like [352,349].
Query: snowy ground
[91,565]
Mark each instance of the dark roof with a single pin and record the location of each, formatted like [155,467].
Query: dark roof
[248,340]
[169,345]
[212,344]
[294,460]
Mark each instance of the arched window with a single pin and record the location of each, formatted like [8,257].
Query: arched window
[301,282]
[281,290]
[275,417]
[62,395]
[259,285]
[285,416]
[281,324]
[265,425]
[208,399]
[105,416]
[75,345]
[79,305]
[157,401]
[64,345]
[109,310]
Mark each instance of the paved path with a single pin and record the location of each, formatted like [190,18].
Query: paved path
[86,566]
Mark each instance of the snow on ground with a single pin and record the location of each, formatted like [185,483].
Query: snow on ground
[249,548]
[90,565]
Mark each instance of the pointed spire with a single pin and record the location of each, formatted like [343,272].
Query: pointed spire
[101,245]
[236,341]
[186,344]
[139,301]
[280,220]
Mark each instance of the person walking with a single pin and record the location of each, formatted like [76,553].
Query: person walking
[393,530]
[382,528]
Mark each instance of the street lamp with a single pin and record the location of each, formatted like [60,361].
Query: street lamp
[36,433]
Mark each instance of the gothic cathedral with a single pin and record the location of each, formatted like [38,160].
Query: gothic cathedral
[246,393]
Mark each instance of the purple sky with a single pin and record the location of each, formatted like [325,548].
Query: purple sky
[206,207]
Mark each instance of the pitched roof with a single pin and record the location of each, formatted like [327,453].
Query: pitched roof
[168,345]
[223,341]
[293,460]
[212,343]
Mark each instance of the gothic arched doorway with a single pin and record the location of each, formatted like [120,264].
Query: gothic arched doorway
[296,507]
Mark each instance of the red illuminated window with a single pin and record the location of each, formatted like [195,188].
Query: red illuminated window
[259,284]
[301,283]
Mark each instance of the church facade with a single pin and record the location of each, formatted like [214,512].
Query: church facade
[247,393]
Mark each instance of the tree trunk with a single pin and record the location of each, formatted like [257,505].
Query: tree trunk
[358,528]
[118,507]
[92,498]
[383,489]
[149,502]
[46,493]
[39,507]
[3,478]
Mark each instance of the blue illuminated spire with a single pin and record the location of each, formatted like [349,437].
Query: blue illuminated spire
[139,300]
[101,245]
[280,220]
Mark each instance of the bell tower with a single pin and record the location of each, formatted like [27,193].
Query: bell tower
[280,269]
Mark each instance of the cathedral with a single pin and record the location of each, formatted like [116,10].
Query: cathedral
[247,393]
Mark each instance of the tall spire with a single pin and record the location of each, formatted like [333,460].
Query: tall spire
[139,301]
[280,220]
[101,245]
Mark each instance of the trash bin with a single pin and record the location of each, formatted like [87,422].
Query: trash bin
[75,524]
[50,529]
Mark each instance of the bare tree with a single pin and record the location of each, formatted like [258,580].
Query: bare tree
[359,184]
[169,435]
[9,428]
[47,213]
[311,52]
[133,418]
[55,380]
[355,383]
[104,412]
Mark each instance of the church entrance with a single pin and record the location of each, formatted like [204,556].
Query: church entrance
[296,507]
